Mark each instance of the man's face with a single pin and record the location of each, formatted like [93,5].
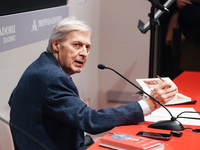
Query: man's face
[73,52]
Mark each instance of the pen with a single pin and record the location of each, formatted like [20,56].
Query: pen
[160,78]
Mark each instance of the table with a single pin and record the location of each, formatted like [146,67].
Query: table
[188,84]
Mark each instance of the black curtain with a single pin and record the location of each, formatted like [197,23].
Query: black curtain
[166,60]
[8,7]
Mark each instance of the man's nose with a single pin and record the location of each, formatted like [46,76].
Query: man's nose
[84,51]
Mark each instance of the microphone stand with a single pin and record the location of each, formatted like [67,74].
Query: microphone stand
[152,41]
[172,124]
[151,25]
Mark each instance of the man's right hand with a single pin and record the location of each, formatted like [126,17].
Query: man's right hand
[163,93]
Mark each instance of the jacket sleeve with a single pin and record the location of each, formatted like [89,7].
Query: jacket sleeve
[62,101]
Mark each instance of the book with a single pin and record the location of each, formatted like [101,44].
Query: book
[120,141]
[149,84]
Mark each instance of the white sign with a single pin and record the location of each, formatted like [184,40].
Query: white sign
[25,28]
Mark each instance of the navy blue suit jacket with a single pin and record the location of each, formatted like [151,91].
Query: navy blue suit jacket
[46,105]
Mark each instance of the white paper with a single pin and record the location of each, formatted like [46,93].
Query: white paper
[162,114]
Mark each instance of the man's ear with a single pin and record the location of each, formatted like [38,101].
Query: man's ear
[56,45]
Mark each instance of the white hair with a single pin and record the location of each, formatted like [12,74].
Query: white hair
[65,26]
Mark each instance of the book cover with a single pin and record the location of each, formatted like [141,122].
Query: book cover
[149,84]
[121,141]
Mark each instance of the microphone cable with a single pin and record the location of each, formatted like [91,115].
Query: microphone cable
[194,130]
[179,116]
[25,134]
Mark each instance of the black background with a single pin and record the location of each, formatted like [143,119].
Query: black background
[8,7]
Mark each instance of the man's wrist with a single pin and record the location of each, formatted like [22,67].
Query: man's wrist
[145,107]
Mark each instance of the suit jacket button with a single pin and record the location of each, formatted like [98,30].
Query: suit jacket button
[81,144]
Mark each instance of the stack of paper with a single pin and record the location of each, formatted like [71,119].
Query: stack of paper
[162,114]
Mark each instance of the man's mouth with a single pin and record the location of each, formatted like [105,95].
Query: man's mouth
[79,62]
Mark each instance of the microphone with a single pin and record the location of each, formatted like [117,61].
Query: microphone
[172,124]
[158,5]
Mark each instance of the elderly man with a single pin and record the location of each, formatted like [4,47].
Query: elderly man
[46,104]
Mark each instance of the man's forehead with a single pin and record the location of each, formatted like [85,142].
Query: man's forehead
[82,36]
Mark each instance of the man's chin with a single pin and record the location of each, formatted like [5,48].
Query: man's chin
[73,71]
[78,70]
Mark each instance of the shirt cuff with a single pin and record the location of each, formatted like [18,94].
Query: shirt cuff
[145,107]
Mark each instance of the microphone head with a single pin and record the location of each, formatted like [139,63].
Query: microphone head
[101,66]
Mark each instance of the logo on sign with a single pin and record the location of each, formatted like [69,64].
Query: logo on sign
[34,26]
[45,22]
